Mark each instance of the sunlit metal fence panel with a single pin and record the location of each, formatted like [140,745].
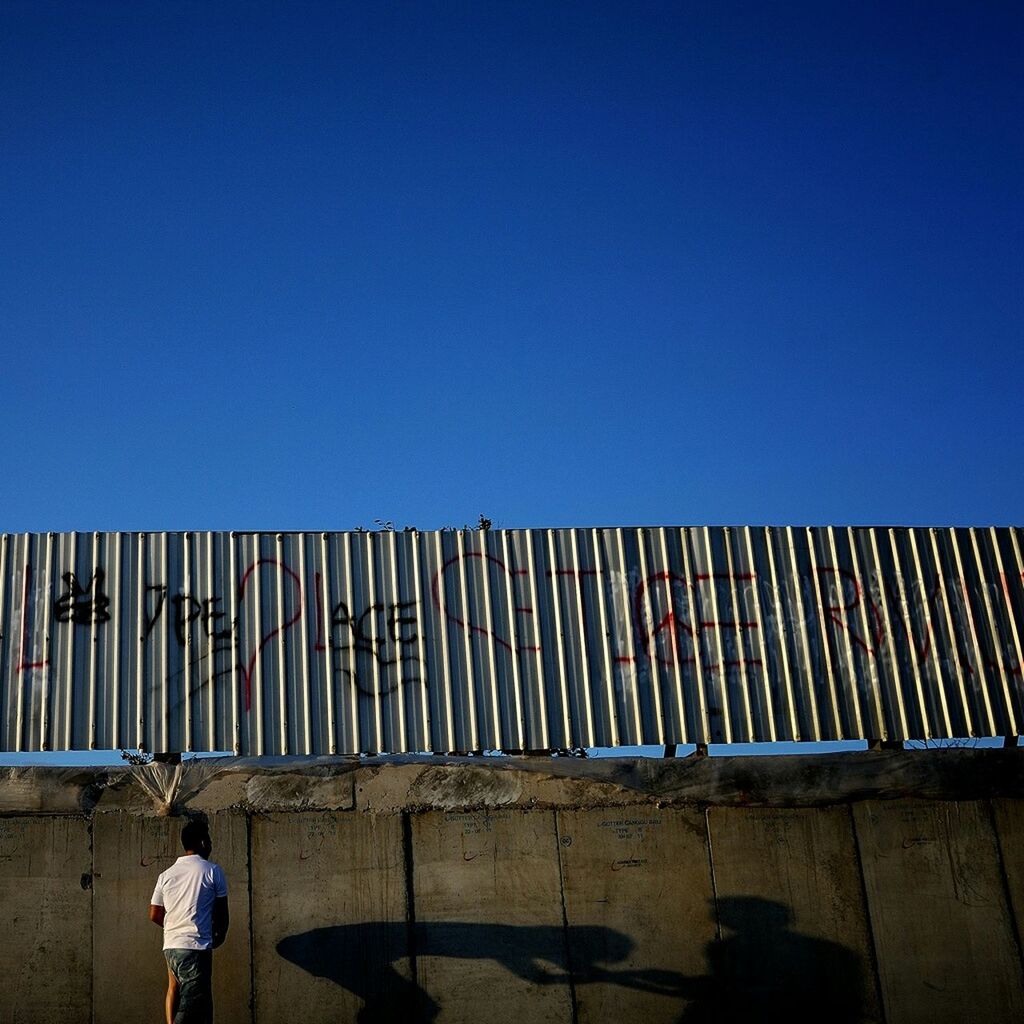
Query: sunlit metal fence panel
[507,639]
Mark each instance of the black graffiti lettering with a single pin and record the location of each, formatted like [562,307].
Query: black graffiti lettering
[341,616]
[385,684]
[206,678]
[396,621]
[363,642]
[211,616]
[186,610]
[407,658]
[385,632]
[83,605]
[151,620]
[389,619]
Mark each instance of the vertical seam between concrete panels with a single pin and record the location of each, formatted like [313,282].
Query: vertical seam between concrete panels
[711,869]
[1004,878]
[876,974]
[410,898]
[565,923]
[252,923]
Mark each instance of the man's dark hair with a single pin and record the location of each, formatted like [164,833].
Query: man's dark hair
[193,834]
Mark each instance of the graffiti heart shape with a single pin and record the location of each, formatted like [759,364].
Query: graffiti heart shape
[248,665]
[441,588]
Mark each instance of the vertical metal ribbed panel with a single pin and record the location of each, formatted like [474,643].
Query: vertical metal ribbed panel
[514,640]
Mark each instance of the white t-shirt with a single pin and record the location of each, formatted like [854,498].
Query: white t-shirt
[186,891]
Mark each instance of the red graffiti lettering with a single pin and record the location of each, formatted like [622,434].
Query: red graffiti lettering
[669,621]
[844,575]
[249,667]
[25,665]
[674,623]
[464,623]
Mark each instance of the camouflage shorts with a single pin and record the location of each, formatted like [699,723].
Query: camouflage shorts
[193,969]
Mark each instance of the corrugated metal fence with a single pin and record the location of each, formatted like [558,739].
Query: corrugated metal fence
[507,639]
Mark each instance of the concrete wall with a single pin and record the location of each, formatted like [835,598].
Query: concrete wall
[521,898]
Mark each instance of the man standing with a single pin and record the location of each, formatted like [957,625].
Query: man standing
[190,903]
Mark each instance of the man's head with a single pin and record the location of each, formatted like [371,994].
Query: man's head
[195,838]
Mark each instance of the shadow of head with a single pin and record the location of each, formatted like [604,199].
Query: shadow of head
[744,913]
[761,960]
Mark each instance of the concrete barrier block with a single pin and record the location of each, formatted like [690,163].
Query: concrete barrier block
[1009,819]
[35,790]
[130,974]
[329,918]
[793,917]
[489,938]
[46,940]
[943,935]
[640,910]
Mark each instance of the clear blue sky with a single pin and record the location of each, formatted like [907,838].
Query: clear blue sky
[305,265]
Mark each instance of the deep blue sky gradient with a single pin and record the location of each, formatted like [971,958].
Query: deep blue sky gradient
[301,266]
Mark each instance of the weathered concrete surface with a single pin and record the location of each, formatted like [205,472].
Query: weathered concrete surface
[1009,820]
[478,783]
[389,785]
[639,904]
[490,942]
[791,908]
[129,852]
[943,933]
[46,901]
[393,785]
[502,908]
[329,918]
[214,784]
[51,790]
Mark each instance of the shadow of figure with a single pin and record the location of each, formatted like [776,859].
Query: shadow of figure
[362,958]
[760,967]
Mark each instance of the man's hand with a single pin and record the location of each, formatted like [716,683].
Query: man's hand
[220,920]
[156,915]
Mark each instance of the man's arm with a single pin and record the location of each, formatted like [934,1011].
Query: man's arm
[156,903]
[220,920]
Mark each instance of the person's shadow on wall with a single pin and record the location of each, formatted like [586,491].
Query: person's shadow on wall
[760,969]
[759,964]
[362,958]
